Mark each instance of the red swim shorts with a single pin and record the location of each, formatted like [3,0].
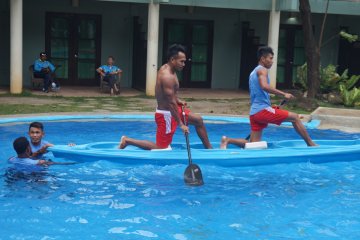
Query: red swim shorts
[260,120]
[166,126]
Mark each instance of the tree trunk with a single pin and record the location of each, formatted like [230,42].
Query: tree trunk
[312,50]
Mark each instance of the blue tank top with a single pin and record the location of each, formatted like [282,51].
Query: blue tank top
[259,98]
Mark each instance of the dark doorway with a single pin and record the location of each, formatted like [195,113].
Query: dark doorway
[73,43]
[291,55]
[249,46]
[348,57]
[139,55]
[197,37]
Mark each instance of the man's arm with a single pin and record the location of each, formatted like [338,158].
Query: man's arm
[100,71]
[37,66]
[48,163]
[168,85]
[181,102]
[262,76]
[116,72]
[42,150]
[51,67]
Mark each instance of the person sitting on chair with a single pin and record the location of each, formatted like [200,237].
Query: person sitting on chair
[108,73]
[44,69]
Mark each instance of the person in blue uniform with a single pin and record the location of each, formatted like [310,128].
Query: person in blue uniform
[110,73]
[44,69]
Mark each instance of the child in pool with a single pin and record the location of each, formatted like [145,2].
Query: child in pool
[23,162]
[38,145]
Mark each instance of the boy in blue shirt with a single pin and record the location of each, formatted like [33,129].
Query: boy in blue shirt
[44,69]
[109,73]
[37,144]
[23,161]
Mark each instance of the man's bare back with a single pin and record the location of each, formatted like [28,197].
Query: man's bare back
[166,88]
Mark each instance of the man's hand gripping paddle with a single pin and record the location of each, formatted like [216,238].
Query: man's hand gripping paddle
[281,104]
[192,174]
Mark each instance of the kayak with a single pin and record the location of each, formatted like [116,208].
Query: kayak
[278,152]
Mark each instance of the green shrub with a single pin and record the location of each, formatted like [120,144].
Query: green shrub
[350,97]
[331,81]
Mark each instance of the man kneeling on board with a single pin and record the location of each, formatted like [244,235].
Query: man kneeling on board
[169,109]
[261,112]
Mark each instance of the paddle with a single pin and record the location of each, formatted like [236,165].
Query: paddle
[192,174]
[281,103]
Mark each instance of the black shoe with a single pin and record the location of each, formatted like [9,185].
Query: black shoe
[45,90]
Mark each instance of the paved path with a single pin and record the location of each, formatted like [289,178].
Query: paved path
[338,118]
[204,101]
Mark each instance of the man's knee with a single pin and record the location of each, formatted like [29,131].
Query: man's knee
[293,117]
[47,76]
[196,120]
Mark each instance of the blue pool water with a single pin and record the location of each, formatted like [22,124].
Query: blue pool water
[109,200]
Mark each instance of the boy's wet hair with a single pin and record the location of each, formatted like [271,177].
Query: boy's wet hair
[174,50]
[264,51]
[112,57]
[20,145]
[37,125]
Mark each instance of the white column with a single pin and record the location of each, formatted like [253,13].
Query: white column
[273,40]
[152,48]
[16,46]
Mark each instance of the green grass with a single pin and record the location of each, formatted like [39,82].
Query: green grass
[7,109]
[65,104]
[121,104]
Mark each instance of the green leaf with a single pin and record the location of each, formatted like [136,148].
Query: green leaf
[350,98]
[352,81]
[350,37]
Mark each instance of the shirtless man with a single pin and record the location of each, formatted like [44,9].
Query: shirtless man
[261,112]
[169,111]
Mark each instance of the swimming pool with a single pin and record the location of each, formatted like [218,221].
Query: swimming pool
[102,199]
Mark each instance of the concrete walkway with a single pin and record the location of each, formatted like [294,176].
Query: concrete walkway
[76,91]
[203,101]
[347,120]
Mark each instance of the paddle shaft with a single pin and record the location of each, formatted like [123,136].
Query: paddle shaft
[281,103]
[187,138]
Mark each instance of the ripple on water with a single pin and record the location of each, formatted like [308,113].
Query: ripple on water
[284,201]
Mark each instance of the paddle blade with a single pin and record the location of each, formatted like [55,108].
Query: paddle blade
[193,175]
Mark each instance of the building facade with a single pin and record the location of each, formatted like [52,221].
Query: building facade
[221,38]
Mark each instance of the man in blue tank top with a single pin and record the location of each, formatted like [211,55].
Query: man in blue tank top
[261,111]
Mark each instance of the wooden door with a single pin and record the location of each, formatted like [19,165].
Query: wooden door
[291,55]
[73,45]
[197,37]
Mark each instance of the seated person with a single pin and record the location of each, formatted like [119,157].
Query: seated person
[44,69]
[108,73]
[37,144]
[22,162]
